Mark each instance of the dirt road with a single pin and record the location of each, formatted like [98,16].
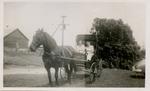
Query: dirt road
[37,77]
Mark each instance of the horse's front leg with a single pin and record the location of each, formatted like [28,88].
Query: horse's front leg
[49,75]
[56,75]
[47,67]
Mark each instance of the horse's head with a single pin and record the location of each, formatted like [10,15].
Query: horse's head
[37,40]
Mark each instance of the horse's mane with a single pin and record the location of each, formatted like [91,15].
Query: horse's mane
[51,45]
[49,42]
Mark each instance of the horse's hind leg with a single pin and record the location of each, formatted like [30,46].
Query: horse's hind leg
[73,68]
[67,69]
[56,76]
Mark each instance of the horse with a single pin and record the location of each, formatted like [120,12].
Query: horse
[51,55]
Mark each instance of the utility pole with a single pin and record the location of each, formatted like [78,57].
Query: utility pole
[63,28]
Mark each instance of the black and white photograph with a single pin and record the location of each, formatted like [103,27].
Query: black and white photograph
[74,44]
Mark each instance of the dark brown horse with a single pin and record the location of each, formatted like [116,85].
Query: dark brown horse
[51,55]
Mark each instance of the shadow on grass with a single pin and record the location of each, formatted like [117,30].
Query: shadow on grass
[135,76]
[53,84]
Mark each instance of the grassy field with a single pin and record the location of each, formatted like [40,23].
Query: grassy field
[22,58]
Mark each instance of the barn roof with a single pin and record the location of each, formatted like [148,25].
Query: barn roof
[14,32]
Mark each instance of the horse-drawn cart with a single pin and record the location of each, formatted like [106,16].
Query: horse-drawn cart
[92,67]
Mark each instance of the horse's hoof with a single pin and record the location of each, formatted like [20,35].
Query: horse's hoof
[69,82]
[57,84]
[51,85]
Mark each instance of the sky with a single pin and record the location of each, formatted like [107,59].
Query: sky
[30,16]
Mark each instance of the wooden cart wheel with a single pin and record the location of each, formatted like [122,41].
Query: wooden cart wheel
[99,68]
[92,74]
[95,70]
[92,77]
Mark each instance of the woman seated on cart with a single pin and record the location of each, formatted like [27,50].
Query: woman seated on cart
[89,54]
[86,49]
[89,51]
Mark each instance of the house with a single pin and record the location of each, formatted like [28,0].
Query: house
[16,39]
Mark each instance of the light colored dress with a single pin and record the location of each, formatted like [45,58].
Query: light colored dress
[90,52]
[81,49]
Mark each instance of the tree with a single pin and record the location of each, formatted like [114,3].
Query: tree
[142,53]
[115,43]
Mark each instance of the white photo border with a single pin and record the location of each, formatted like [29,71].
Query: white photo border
[147,37]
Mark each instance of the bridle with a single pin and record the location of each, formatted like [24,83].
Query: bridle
[36,42]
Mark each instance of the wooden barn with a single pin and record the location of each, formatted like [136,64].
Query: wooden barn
[16,39]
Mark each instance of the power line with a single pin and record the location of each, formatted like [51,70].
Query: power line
[56,30]
[63,28]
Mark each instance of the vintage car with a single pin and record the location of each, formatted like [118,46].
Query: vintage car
[139,67]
